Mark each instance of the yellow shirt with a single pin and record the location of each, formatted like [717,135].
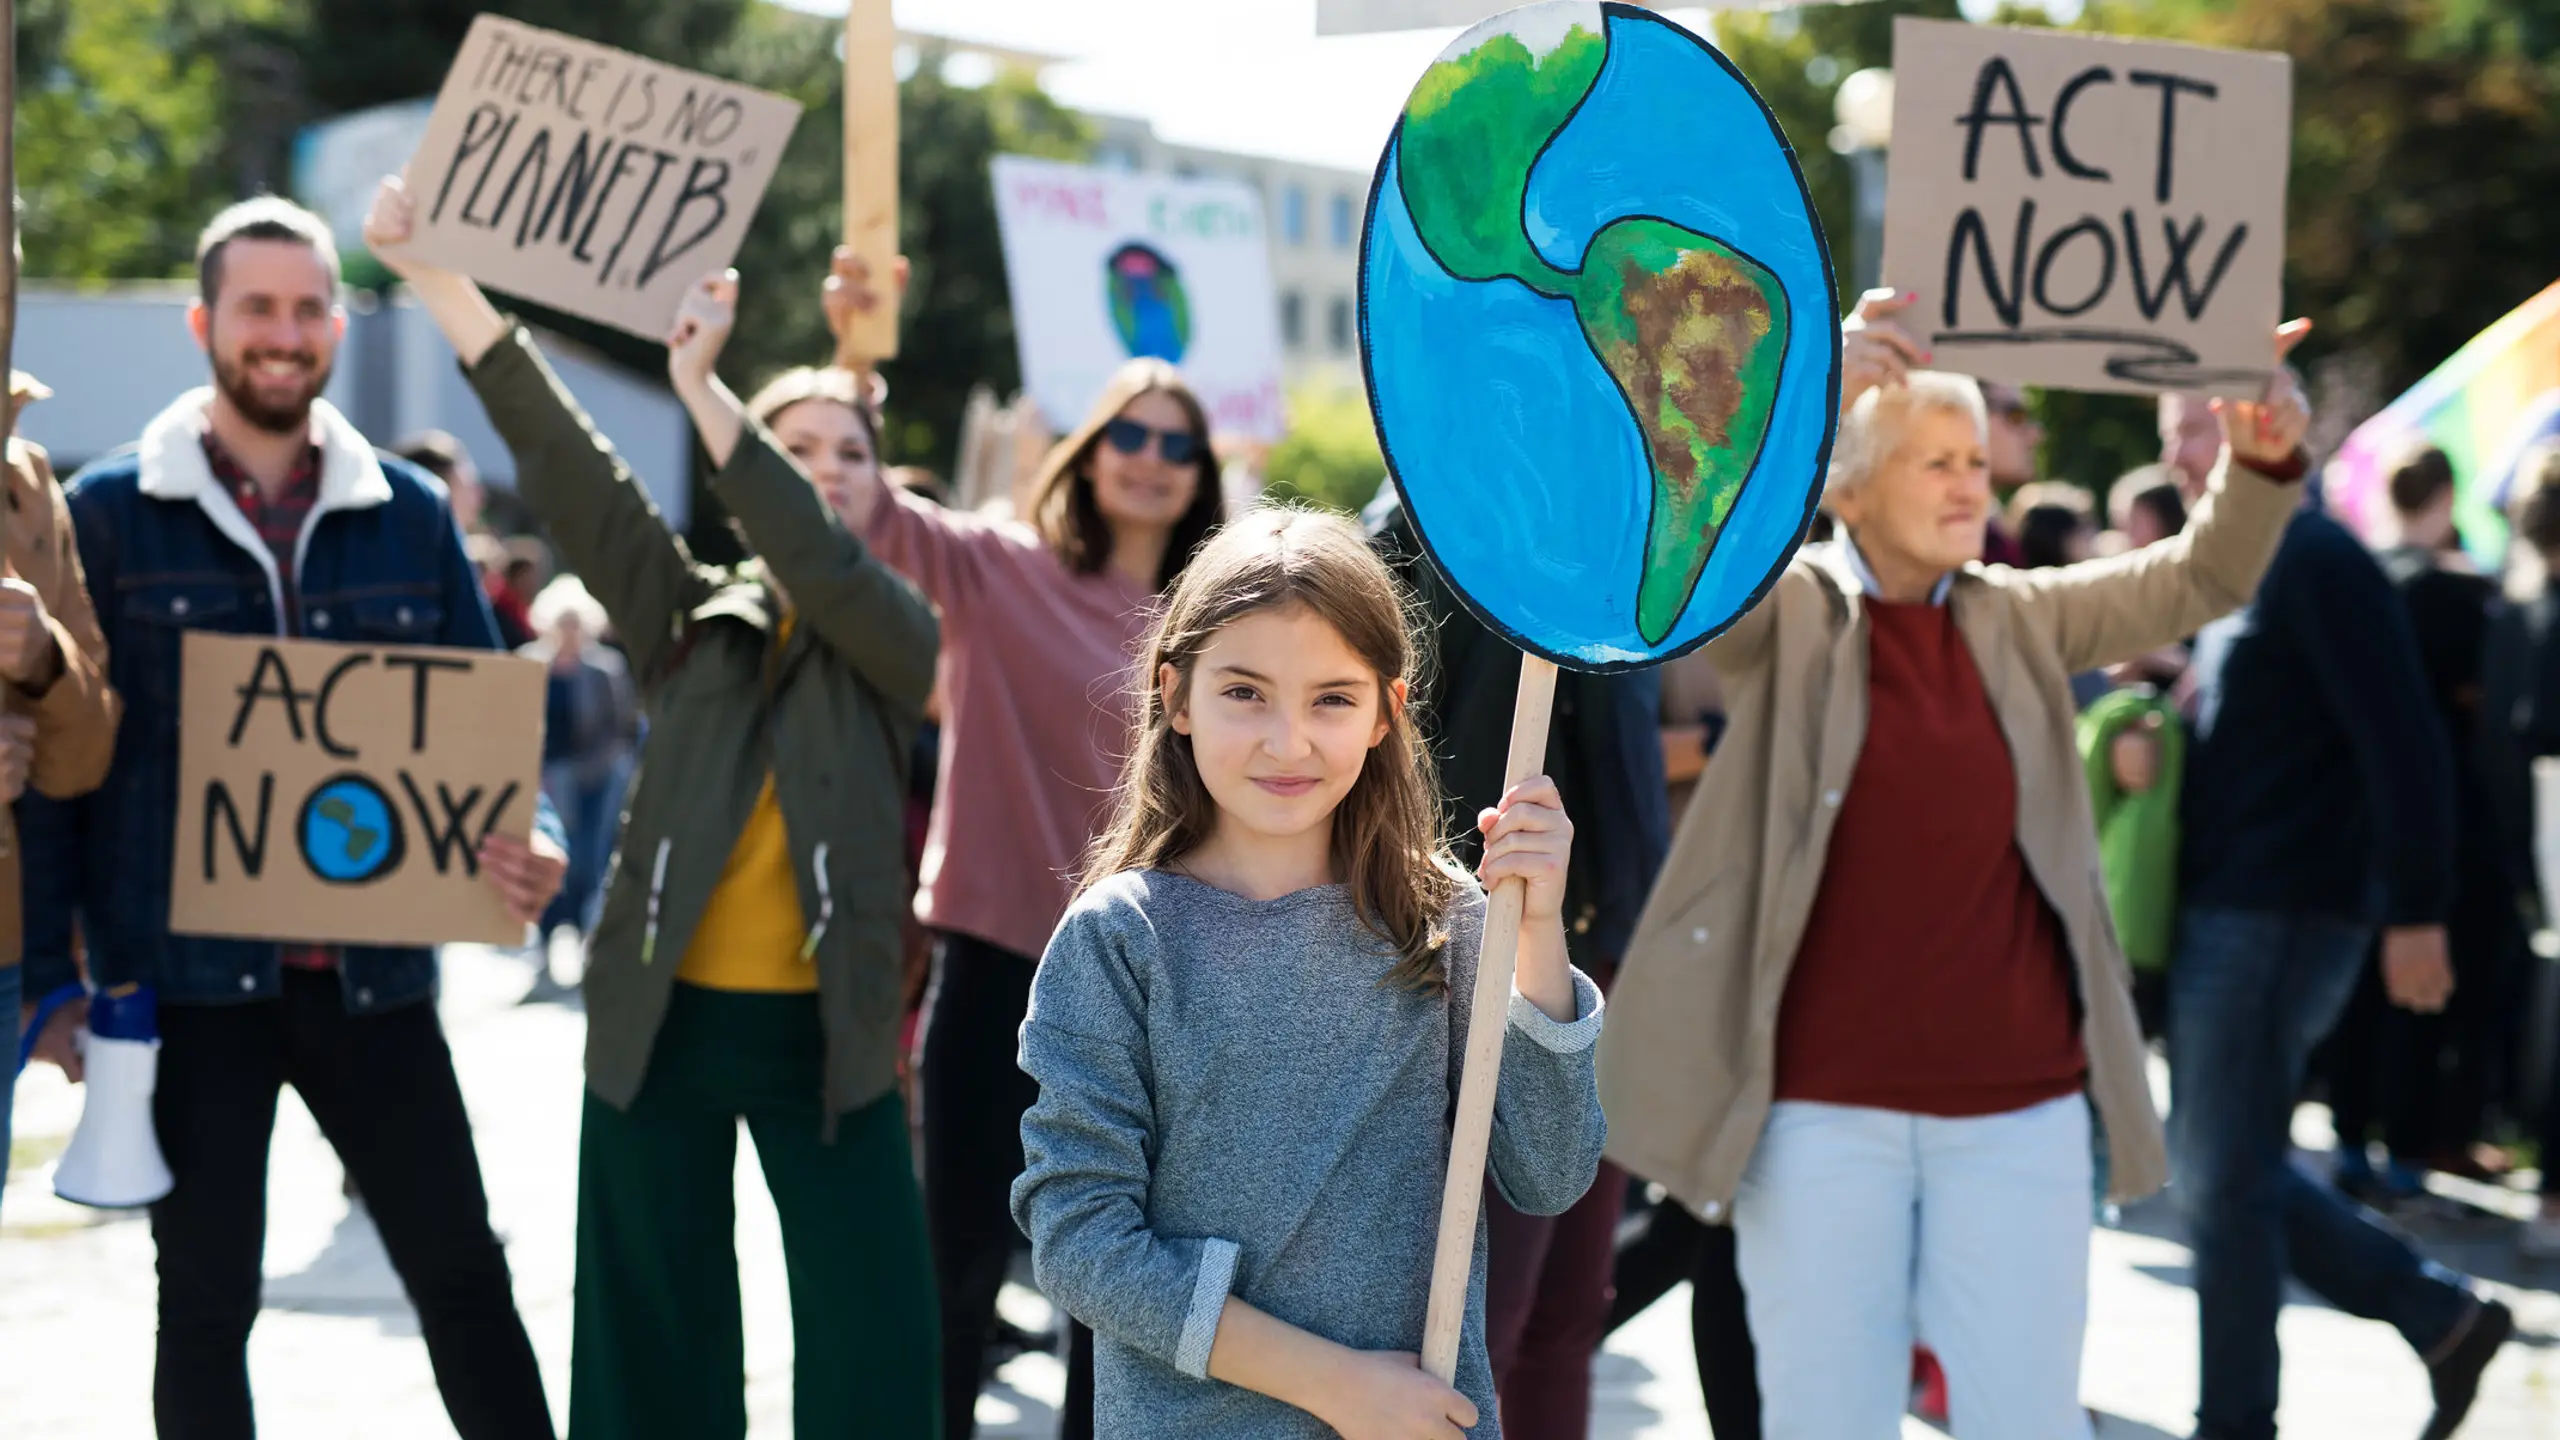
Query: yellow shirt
[752,931]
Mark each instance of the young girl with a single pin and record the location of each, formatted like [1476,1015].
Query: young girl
[1247,1032]
[746,964]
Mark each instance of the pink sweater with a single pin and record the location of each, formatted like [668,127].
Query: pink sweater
[1035,715]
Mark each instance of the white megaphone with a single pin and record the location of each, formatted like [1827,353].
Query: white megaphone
[114,1161]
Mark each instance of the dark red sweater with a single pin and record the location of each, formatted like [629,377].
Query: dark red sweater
[1931,978]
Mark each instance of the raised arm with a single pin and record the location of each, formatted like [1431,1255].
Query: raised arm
[2104,611]
[566,470]
[864,612]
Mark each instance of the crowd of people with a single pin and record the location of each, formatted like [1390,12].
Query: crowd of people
[1894,887]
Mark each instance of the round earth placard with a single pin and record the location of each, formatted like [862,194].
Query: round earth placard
[1598,325]
[349,832]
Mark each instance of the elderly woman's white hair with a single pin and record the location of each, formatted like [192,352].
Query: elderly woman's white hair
[1874,427]
[567,596]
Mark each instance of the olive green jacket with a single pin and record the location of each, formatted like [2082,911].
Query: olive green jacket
[831,714]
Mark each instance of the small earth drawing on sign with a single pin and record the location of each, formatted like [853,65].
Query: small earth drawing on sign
[349,832]
[1596,324]
[1149,307]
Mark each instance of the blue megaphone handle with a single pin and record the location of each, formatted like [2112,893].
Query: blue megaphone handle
[60,996]
[125,1012]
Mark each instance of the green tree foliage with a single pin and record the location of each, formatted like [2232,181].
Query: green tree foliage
[120,111]
[1330,456]
[2425,196]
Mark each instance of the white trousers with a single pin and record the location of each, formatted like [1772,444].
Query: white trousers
[1856,1230]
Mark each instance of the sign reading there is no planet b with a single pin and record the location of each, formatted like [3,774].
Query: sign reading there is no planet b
[589,179]
[2086,212]
[340,793]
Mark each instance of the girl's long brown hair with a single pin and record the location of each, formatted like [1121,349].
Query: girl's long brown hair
[1386,837]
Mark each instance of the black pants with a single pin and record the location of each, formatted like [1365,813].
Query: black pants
[2428,1082]
[1674,1246]
[382,1088]
[974,1094]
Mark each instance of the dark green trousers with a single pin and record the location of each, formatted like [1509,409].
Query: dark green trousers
[659,1349]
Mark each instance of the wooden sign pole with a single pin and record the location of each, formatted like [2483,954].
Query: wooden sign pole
[1463,1194]
[871,175]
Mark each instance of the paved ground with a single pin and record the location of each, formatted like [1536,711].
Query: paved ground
[337,1353]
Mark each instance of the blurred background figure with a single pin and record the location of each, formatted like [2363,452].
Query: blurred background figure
[2521,713]
[2422,1083]
[591,732]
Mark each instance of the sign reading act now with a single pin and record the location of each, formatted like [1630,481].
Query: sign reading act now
[2086,212]
[339,793]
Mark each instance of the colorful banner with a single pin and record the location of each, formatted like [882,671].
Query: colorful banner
[2485,407]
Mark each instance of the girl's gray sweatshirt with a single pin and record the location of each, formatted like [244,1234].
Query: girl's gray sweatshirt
[1233,1101]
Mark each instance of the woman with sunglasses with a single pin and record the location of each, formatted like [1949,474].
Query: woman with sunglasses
[1039,623]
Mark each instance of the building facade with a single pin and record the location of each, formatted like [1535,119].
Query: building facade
[1315,215]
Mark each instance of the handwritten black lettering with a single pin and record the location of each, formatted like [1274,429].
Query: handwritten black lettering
[695,123]
[578,97]
[2062,156]
[269,664]
[613,177]
[2173,271]
[449,835]
[320,704]
[660,160]
[537,158]
[2009,305]
[497,148]
[513,59]
[2171,87]
[578,170]
[2096,229]
[708,182]
[1996,74]
[218,805]
[423,666]
[479,129]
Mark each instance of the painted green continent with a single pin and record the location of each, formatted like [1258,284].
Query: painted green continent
[1694,334]
[1473,132]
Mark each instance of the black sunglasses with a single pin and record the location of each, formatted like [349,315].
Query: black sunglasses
[1178,447]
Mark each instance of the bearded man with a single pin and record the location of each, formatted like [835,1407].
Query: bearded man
[254,507]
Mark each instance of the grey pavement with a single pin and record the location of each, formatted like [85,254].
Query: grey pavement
[337,1354]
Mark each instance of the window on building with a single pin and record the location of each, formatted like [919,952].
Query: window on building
[1338,324]
[1293,215]
[1344,216]
[1293,320]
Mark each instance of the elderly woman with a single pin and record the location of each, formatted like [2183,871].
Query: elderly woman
[1876,994]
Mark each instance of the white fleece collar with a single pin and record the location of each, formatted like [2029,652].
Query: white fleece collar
[174,466]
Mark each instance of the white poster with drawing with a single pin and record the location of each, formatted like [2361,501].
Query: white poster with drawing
[1105,265]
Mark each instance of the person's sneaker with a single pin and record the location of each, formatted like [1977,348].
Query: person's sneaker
[2540,1239]
[2456,1377]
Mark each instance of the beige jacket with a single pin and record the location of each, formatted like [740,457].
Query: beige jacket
[76,716]
[1686,1066]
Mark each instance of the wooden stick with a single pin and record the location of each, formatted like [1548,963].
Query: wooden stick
[871,175]
[1463,1195]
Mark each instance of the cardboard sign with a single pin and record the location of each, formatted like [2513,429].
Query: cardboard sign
[339,793]
[588,179]
[2089,213]
[1109,264]
[1596,323]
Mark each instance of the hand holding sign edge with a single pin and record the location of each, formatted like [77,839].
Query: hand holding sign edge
[525,873]
[2264,433]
